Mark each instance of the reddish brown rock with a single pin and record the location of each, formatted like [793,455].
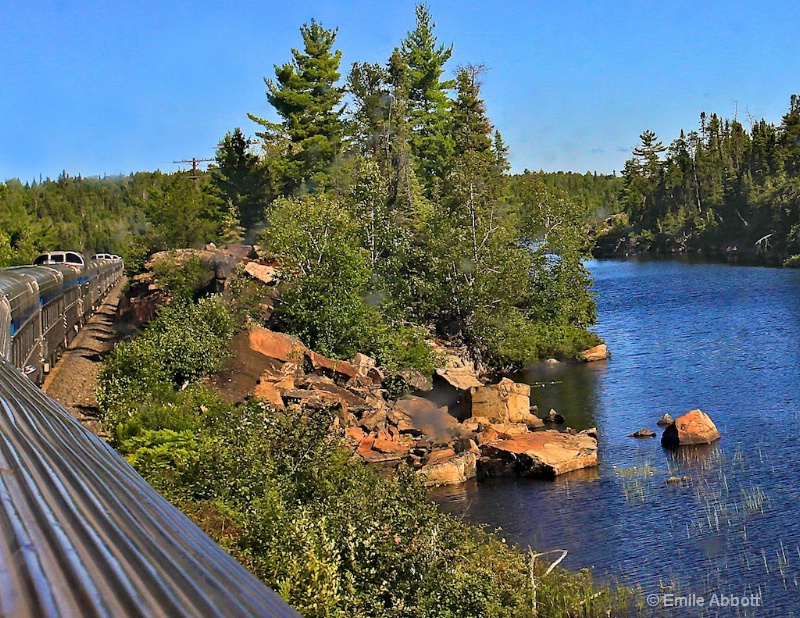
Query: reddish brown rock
[363,363]
[487,436]
[694,427]
[597,353]
[466,445]
[389,445]
[348,399]
[439,454]
[267,392]
[453,388]
[336,368]
[356,434]
[475,423]
[372,419]
[539,454]
[462,378]
[454,470]
[504,402]
[365,446]
[275,345]
[416,380]
[509,430]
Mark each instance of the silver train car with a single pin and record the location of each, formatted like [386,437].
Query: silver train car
[44,305]
[81,533]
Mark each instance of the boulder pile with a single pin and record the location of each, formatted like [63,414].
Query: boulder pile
[450,430]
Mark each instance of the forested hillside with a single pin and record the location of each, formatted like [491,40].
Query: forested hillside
[722,188]
[597,194]
[131,215]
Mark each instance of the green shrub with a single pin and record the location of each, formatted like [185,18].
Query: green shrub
[515,341]
[184,276]
[792,262]
[182,344]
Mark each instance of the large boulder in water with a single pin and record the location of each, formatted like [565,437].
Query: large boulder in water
[597,353]
[694,427]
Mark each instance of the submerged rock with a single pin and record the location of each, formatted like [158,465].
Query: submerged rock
[539,454]
[643,433]
[694,427]
[674,480]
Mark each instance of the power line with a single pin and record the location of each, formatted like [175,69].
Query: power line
[194,161]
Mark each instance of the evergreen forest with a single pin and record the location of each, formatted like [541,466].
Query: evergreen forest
[723,189]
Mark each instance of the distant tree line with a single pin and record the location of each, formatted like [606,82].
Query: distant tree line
[719,188]
[131,215]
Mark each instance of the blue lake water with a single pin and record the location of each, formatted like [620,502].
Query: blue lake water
[721,338]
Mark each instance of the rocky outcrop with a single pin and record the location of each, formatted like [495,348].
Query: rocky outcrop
[333,367]
[544,454]
[493,432]
[264,273]
[694,427]
[415,380]
[453,388]
[597,353]
[422,417]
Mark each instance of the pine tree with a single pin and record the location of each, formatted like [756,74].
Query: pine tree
[308,100]
[431,141]
[241,179]
[367,85]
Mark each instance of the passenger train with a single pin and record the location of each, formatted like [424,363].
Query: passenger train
[44,305]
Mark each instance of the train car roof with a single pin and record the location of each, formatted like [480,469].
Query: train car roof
[47,278]
[60,257]
[18,287]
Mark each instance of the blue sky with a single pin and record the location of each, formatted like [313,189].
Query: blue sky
[108,87]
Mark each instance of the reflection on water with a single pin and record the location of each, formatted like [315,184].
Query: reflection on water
[721,518]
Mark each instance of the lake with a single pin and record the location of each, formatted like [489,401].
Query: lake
[721,338]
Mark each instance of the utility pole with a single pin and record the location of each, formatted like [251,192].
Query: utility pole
[194,161]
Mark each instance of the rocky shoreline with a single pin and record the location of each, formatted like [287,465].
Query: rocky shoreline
[462,423]
[449,429]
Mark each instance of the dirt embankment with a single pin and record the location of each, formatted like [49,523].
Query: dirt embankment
[72,381]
